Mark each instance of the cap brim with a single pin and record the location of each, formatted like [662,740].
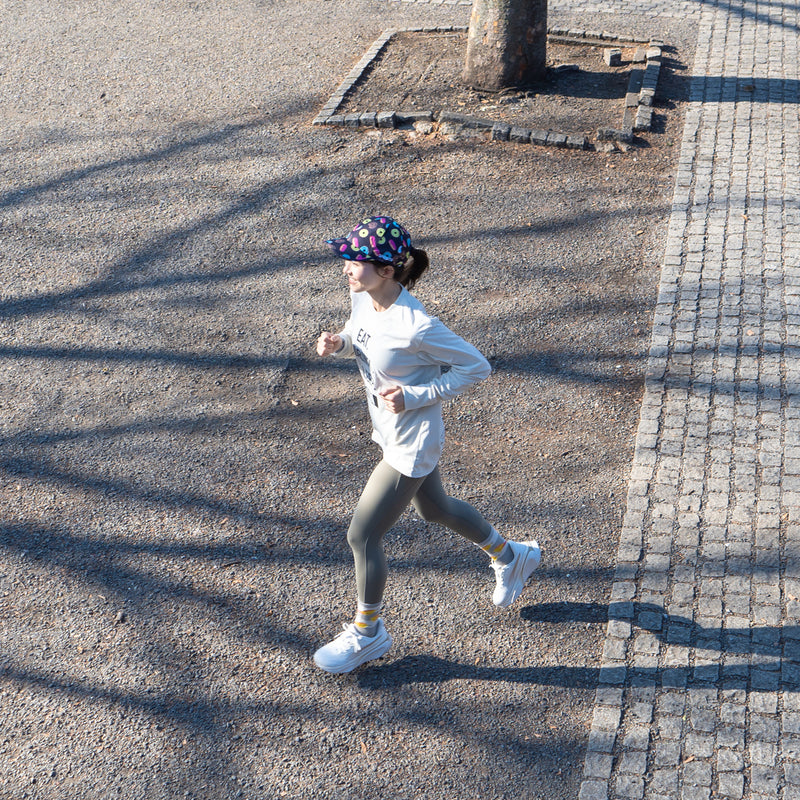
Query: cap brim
[335,244]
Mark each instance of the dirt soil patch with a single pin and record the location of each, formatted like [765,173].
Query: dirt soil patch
[422,70]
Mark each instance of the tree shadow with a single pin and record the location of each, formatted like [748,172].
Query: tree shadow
[764,641]
[747,9]
[121,566]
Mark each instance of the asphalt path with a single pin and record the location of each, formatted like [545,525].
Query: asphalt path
[177,469]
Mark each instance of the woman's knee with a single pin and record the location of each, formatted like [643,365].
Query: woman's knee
[430,512]
[357,538]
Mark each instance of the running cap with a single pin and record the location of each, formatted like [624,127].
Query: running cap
[374,239]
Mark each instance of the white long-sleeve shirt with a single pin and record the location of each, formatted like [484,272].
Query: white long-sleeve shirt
[403,346]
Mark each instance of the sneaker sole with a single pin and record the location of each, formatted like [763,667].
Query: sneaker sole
[532,560]
[376,650]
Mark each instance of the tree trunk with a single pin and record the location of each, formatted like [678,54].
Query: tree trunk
[506,44]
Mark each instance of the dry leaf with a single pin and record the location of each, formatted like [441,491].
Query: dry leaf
[363,747]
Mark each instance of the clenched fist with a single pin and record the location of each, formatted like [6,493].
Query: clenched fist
[394,400]
[329,343]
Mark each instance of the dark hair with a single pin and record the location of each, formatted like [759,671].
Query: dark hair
[408,271]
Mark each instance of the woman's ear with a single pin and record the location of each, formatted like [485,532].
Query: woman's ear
[386,271]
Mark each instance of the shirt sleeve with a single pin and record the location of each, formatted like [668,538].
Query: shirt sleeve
[346,335]
[346,350]
[439,345]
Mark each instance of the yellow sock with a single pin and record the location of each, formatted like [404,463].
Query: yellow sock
[494,546]
[367,617]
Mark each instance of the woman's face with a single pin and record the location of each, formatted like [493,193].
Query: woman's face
[364,276]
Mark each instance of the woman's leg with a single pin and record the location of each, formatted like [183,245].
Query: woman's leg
[433,505]
[385,497]
[513,562]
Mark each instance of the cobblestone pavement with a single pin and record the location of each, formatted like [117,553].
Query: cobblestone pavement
[700,681]
[660,8]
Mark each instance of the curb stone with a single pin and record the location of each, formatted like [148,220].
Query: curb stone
[641,91]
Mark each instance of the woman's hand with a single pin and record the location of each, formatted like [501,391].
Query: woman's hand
[393,398]
[328,344]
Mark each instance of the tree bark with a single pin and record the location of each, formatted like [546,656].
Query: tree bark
[506,44]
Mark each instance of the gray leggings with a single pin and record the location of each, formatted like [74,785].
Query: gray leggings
[385,497]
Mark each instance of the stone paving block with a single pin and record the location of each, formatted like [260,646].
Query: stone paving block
[733,714]
[386,119]
[729,736]
[790,722]
[791,773]
[668,754]
[615,649]
[703,719]
[637,738]
[764,779]
[695,792]
[576,142]
[629,787]
[593,790]
[633,762]
[790,793]
[641,713]
[645,663]
[789,745]
[601,741]
[671,703]
[764,753]
[609,696]
[501,132]
[764,680]
[729,761]
[556,139]
[674,678]
[620,609]
[538,137]
[606,718]
[697,773]
[598,765]
[699,745]
[664,782]
[731,784]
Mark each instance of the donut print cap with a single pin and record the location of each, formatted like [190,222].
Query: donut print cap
[373,239]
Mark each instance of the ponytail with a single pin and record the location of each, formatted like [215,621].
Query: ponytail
[408,271]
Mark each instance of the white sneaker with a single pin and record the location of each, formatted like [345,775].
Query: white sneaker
[350,649]
[511,577]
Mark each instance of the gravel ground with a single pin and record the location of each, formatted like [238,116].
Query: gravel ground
[178,469]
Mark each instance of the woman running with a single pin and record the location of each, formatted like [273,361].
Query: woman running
[409,362]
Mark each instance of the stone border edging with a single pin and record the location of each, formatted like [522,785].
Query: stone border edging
[638,113]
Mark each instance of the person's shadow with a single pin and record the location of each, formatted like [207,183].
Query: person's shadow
[776,660]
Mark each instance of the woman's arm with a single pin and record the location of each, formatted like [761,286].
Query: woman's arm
[441,346]
[336,344]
